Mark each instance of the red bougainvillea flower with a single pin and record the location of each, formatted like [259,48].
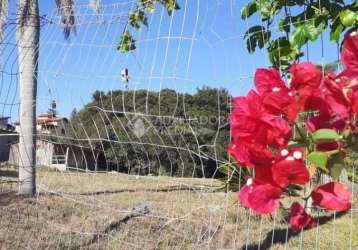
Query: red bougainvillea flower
[250,155]
[268,81]
[349,55]
[332,102]
[276,97]
[335,85]
[261,122]
[263,198]
[332,196]
[337,95]
[348,78]
[313,100]
[350,93]
[321,121]
[278,133]
[290,169]
[344,89]
[251,123]
[282,103]
[263,174]
[355,103]
[305,75]
[246,118]
[299,219]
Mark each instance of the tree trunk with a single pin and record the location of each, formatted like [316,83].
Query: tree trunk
[28,32]
[4,4]
[4,8]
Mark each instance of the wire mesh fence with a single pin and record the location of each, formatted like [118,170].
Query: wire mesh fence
[130,145]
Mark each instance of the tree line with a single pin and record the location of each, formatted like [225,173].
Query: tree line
[159,133]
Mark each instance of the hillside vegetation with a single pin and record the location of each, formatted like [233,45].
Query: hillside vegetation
[158,133]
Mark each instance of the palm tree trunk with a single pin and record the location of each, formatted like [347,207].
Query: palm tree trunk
[4,4]
[4,8]
[28,32]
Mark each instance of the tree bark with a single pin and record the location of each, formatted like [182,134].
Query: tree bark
[4,8]
[4,5]
[28,33]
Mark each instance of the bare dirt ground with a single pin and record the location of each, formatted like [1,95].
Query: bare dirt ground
[77,210]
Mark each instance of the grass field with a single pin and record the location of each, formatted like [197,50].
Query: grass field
[115,211]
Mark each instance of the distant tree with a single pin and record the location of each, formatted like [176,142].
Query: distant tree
[73,113]
[53,108]
[97,96]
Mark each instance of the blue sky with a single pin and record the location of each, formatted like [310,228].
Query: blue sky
[202,44]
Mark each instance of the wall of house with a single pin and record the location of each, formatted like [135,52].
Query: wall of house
[56,128]
[14,155]
[43,154]
[78,157]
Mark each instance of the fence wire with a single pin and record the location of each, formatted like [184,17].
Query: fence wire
[135,164]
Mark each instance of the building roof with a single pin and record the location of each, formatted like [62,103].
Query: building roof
[47,119]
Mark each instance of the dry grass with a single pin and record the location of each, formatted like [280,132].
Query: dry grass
[95,211]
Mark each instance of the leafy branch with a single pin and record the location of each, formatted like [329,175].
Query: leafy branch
[138,18]
[311,19]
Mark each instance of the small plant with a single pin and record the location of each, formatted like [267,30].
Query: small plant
[291,134]
[232,178]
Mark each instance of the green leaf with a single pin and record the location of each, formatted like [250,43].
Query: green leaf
[251,45]
[254,30]
[299,37]
[248,10]
[319,159]
[148,5]
[256,36]
[292,144]
[281,53]
[348,17]
[126,43]
[313,30]
[336,170]
[265,8]
[336,165]
[136,18]
[304,32]
[325,135]
[170,5]
[336,30]
[285,24]
[232,179]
